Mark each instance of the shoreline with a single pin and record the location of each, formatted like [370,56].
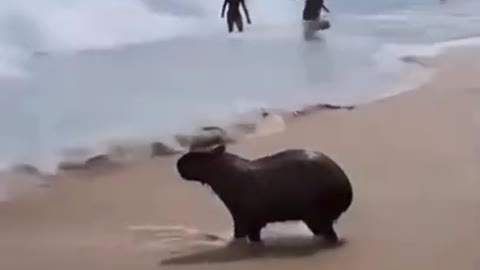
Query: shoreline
[242,126]
[258,123]
[79,155]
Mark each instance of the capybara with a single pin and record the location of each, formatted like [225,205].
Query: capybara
[291,185]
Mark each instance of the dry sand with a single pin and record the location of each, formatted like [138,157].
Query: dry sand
[411,158]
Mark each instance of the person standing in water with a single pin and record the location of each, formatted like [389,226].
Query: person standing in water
[312,9]
[233,14]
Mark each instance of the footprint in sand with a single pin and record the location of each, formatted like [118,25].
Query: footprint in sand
[176,238]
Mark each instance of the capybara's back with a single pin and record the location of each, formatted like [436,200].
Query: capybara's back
[299,183]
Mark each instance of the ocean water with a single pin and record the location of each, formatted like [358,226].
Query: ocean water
[80,73]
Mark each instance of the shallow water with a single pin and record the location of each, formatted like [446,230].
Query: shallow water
[80,73]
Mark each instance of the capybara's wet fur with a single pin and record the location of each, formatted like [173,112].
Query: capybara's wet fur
[291,185]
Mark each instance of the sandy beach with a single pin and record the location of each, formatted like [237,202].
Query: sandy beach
[411,158]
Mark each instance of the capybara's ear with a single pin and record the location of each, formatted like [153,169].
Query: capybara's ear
[219,150]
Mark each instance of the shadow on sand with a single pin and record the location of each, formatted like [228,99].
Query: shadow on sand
[278,248]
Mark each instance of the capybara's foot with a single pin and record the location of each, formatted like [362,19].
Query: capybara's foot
[324,229]
[340,242]
[330,235]
[257,244]
[238,242]
[254,236]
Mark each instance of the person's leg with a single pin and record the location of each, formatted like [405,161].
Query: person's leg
[239,23]
[230,22]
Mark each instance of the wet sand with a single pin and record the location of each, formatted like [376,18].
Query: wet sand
[411,158]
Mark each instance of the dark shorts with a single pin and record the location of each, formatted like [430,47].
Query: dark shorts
[311,11]
[234,14]
[234,17]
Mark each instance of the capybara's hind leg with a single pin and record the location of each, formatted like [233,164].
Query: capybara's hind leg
[314,226]
[330,234]
[322,228]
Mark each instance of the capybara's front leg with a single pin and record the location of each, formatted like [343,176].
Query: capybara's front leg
[254,233]
[239,232]
[320,227]
[239,228]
